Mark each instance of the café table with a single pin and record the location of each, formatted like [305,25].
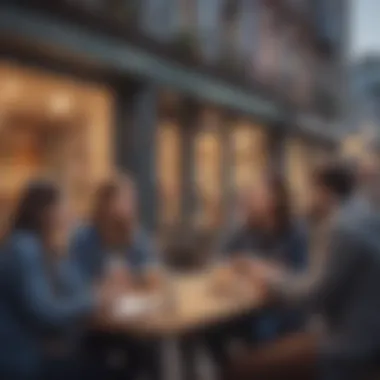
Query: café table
[189,303]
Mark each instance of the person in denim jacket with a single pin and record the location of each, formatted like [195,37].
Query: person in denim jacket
[43,302]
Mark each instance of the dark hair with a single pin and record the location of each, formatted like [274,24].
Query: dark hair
[104,195]
[282,209]
[38,196]
[337,177]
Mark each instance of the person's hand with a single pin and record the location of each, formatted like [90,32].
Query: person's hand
[106,294]
[242,264]
[265,272]
[119,278]
[224,280]
[152,280]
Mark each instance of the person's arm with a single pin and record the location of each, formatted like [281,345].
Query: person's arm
[79,257]
[37,294]
[322,286]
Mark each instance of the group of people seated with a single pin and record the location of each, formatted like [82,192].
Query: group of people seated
[56,277]
[54,281]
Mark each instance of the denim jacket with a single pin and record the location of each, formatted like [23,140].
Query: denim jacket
[33,310]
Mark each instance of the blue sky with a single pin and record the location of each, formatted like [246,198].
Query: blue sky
[365,27]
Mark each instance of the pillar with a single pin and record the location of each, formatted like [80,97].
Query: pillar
[227,172]
[277,150]
[136,145]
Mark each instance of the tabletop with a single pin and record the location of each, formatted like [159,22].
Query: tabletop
[189,302]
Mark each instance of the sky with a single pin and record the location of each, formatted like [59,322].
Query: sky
[365,27]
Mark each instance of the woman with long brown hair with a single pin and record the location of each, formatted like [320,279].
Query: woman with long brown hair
[42,299]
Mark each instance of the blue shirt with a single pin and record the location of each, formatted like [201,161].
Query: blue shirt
[37,305]
[91,256]
[290,250]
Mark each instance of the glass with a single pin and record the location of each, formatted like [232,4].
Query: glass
[242,141]
[208,173]
[297,172]
[169,171]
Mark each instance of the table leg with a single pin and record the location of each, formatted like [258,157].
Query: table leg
[171,361]
[193,361]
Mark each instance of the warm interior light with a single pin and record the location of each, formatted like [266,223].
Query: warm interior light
[9,90]
[60,104]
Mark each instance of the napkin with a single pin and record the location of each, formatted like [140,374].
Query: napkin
[133,306]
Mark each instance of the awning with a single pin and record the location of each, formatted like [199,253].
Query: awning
[118,55]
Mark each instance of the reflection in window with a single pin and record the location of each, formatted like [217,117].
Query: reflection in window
[207,175]
[231,27]
[169,173]
[188,14]
[267,40]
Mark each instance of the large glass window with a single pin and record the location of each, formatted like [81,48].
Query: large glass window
[231,24]
[249,149]
[188,15]
[268,46]
[63,131]
[169,161]
[298,171]
[208,173]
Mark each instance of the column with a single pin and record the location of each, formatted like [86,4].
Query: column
[135,145]
[227,172]
[277,150]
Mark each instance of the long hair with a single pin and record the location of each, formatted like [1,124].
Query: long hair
[338,177]
[105,194]
[37,197]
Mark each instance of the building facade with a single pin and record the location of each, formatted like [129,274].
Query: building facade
[364,113]
[196,98]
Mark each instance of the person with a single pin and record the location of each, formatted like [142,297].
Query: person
[264,227]
[113,248]
[344,291]
[42,300]
[269,230]
[367,175]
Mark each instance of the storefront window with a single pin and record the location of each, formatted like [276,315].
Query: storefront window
[188,15]
[169,173]
[249,155]
[208,173]
[63,131]
[298,170]
[268,60]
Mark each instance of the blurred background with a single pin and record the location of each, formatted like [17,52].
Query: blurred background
[196,98]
